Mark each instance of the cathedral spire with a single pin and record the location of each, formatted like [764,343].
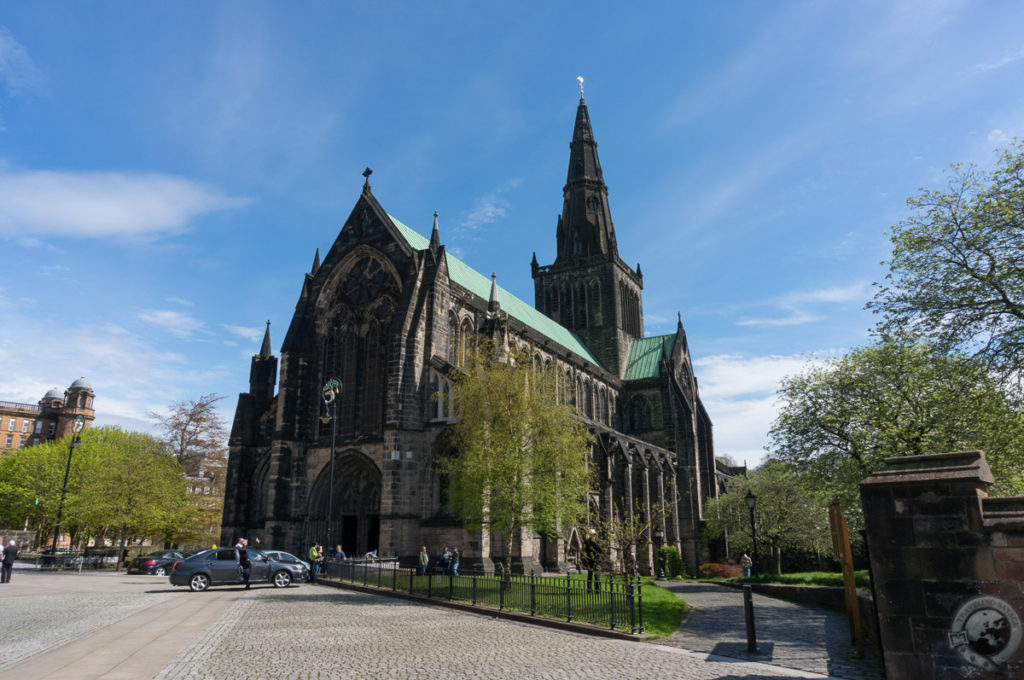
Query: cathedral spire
[265,348]
[585,226]
[435,236]
[316,263]
[493,305]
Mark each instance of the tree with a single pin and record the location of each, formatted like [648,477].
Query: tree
[790,515]
[957,268]
[839,420]
[121,484]
[521,461]
[628,536]
[195,435]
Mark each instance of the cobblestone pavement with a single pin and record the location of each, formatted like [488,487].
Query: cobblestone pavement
[788,634]
[314,632]
[40,612]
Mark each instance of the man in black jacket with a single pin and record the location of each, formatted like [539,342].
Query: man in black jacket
[244,562]
[10,554]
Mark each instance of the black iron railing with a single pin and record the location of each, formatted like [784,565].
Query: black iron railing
[617,604]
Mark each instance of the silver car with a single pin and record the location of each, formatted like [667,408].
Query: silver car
[222,567]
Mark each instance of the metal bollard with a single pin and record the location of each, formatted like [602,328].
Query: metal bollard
[748,613]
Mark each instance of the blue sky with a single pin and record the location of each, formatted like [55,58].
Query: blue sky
[167,170]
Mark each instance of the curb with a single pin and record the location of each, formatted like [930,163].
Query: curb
[582,628]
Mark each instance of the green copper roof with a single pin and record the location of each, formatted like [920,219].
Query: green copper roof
[645,356]
[480,285]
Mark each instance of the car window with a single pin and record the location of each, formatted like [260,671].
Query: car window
[228,555]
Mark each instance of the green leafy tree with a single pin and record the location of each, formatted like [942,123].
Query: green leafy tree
[957,268]
[789,515]
[839,420]
[521,461]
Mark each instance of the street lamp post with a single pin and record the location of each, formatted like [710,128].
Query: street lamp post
[751,500]
[76,439]
[331,392]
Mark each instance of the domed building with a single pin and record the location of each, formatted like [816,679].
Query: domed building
[23,425]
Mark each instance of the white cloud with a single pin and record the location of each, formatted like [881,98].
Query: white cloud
[179,301]
[103,204]
[998,136]
[489,208]
[739,394]
[1008,58]
[176,323]
[245,332]
[17,71]
[795,304]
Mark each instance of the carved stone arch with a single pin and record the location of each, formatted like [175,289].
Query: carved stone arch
[356,508]
[387,278]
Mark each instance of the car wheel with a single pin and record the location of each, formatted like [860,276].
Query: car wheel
[282,579]
[160,571]
[199,582]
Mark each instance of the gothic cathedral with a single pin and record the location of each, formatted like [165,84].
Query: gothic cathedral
[390,313]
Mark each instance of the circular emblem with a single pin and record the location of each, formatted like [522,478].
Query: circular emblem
[79,424]
[986,631]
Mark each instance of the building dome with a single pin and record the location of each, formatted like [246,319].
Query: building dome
[55,393]
[81,384]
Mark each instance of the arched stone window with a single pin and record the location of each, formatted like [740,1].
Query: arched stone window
[453,338]
[638,415]
[465,340]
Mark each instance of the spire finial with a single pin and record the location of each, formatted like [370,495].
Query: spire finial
[493,304]
[265,348]
[580,79]
[366,174]
[435,236]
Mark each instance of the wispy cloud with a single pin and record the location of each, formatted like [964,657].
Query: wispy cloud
[103,204]
[176,323]
[179,301]
[245,332]
[1007,58]
[489,208]
[795,306]
[18,73]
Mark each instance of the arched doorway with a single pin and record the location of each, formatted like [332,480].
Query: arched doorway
[356,513]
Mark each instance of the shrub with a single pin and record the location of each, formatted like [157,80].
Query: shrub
[673,563]
[720,570]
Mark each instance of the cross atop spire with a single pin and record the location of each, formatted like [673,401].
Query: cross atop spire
[366,174]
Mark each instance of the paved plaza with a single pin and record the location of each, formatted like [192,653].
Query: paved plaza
[106,625]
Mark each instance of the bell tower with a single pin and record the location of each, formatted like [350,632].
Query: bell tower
[589,289]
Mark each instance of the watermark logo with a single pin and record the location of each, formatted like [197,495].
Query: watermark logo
[986,632]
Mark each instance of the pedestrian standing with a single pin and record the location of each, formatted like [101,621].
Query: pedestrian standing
[746,563]
[455,561]
[314,562]
[10,554]
[424,561]
[244,562]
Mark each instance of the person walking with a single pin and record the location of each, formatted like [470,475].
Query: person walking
[424,560]
[244,561]
[746,563]
[10,554]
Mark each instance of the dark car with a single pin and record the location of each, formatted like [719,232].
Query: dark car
[222,567]
[156,564]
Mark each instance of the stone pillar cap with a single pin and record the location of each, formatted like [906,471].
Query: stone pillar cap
[960,466]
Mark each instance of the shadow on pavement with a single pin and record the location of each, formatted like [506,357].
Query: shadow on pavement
[738,650]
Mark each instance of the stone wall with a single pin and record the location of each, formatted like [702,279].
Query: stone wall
[948,564]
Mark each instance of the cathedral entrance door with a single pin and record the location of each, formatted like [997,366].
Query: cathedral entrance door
[356,508]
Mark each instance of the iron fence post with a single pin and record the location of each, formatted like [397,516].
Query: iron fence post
[412,574]
[451,585]
[611,600]
[630,605]
[501,593]
[568,597]
[394,577]
[640,606]
[474,589]
[533,595]
[430,584]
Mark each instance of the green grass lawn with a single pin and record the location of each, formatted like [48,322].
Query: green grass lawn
[662,610]
[807,578]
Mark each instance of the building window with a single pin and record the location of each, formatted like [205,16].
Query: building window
[53,428]
[10,425]
[10,440]
[21,444]
[35,441]
[39,426]
[24,426]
